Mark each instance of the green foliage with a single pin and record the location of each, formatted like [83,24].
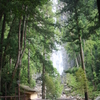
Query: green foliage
[37,35]
[71,80]
[82,22]
[32,83]
[53,87]
[80,77]
[91,52]
[72,70]
[76,81]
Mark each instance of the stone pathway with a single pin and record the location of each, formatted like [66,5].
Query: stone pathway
[98,98]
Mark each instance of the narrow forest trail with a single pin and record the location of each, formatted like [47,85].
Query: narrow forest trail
[66,90]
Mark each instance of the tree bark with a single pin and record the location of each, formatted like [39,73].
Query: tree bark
[1,48]
[43,81]
[82,55]
[29,65]
[19,80]
[93,70]
[7,45]
[18,55]
[19,49]
[24,36]
[76,60]
[10,60]
[22,32]
[1,14]
[83,67]
[5,90]
[98,5]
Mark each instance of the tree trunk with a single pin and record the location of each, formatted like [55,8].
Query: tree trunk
[1,48]
[94,83]
[5,90]
[7,45]
[98,5]
[10,60]
[83,66]
[76,60]
[29,65]
[18,58]
[93,70]
[43,81]
[82,55]
[19,80]
[1,13]
[22,32]
[19,46]
[18,55]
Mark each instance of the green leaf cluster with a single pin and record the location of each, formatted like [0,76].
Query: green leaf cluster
[53,87]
